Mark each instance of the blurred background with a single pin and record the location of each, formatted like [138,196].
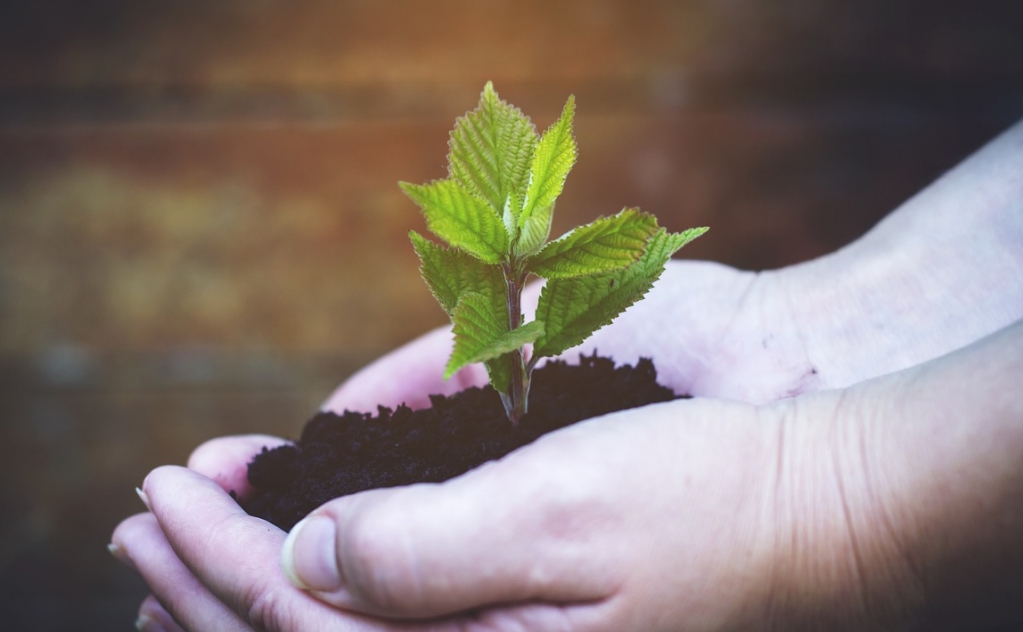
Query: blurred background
[201,232]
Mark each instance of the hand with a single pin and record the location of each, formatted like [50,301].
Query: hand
[840,509]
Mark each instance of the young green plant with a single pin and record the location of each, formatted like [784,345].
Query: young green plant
[494,213]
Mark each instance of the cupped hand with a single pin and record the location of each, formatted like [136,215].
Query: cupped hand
[681,515]
[855,508]
[618,523]
[712,331]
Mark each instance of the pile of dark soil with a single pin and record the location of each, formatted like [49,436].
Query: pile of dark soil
[343,454]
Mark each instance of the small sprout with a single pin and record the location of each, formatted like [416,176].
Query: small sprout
[494,213]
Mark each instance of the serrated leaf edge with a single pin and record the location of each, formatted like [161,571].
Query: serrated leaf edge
[588,240]
[632,283]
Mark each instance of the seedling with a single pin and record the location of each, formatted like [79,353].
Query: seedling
[494,212]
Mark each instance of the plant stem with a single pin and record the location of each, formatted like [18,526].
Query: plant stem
[516,401]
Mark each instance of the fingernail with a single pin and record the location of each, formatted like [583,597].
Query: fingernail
[119,553]
[309,555]
[146,623]
[143,497]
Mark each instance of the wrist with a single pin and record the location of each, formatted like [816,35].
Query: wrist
[898,500]
[938,273]
[840,564]
[882,305]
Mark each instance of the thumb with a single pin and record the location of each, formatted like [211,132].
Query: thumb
[435,549]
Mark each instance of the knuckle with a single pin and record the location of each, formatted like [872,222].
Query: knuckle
[375,561]
[265,609]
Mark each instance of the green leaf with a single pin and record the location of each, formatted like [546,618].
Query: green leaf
[494,213]
[534,232]
[461,219]
[481,334]
[490,150]
[553,159]
[607,244]
[681,239]
[573,308]
[450,273]
[499,370]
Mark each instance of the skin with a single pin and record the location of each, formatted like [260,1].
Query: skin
[853,461]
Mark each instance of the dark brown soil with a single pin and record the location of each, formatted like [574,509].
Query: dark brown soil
[343,454]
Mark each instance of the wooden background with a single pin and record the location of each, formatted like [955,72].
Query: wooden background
[201,232]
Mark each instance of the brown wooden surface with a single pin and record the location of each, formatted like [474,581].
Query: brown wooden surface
[201,232]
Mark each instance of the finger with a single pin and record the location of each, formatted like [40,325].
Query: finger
[187,597]
[225,460]
[189,602]
[501,534]
[407,375]
[235,556]
[153,616]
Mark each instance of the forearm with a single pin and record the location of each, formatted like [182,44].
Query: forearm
[954,471]
[943,270]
